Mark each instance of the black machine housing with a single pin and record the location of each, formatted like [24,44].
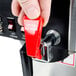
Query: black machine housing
[59,21]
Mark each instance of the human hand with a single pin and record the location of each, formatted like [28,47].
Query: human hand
[32,9]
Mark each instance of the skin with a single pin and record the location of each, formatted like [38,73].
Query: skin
[32,9]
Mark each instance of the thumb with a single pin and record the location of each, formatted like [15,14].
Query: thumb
[31,8]
[46,10]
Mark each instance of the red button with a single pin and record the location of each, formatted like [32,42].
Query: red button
[33,31]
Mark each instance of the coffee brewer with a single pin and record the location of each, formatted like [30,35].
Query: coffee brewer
[58,37]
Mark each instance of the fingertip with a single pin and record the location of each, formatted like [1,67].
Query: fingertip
[20,18]
[45,23]
[20,22]
[46,18]
[33,12]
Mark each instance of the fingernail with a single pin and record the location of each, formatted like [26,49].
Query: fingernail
[33,12]
[45,23]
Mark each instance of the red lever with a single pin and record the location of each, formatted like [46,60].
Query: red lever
[33,31]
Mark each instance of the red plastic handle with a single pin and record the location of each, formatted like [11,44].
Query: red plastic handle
[33,31]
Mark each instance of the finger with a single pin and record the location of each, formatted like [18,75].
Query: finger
[31,8]
[20,18]
[15,8]
[45,10]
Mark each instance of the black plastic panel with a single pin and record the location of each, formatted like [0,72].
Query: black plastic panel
[5,13]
